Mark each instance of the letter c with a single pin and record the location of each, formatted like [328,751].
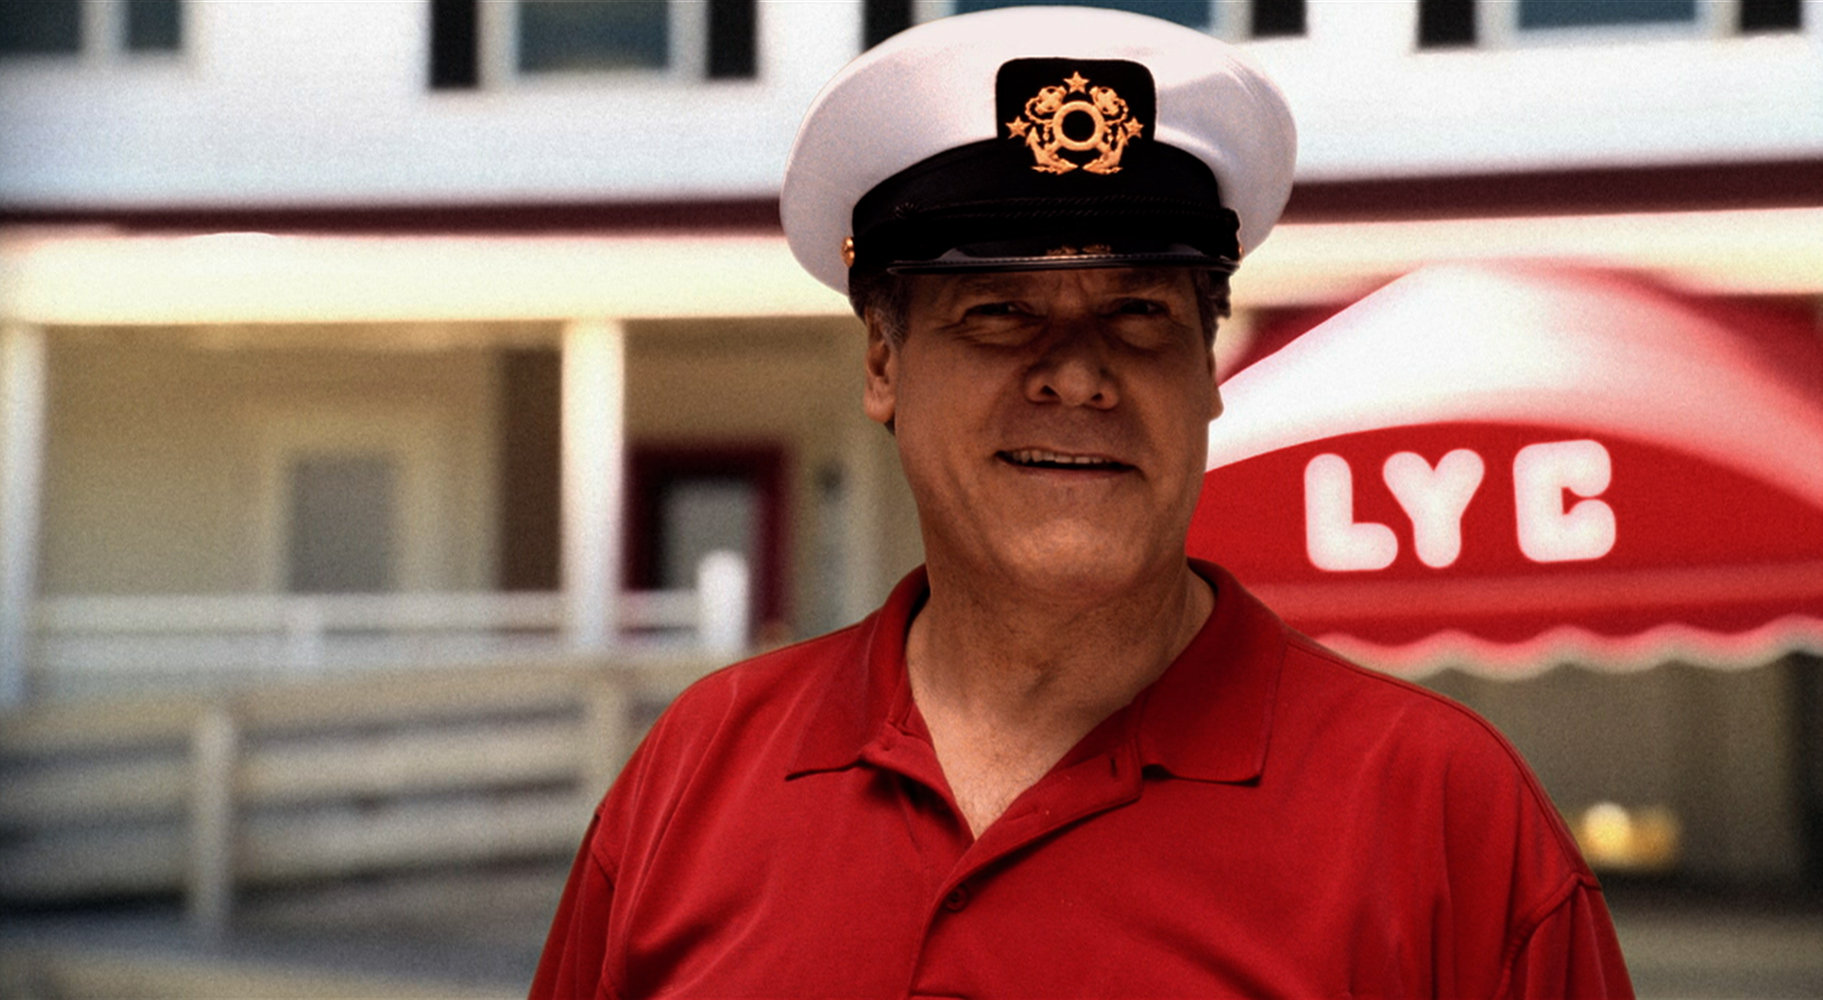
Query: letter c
[1541,474]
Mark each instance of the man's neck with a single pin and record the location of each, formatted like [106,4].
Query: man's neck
[1008,683]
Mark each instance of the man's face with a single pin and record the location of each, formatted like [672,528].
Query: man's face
[1052,424]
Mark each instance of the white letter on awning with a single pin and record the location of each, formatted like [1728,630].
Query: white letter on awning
[1541,474]
[1331,536]
[1435,500]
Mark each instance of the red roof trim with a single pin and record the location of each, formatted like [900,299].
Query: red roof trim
[739,215]
[1599,190]
[1590,191]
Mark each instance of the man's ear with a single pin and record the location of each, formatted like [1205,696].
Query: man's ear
[880,397]
[1215,386]
[1215,389]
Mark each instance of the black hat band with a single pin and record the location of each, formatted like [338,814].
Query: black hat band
[981,206]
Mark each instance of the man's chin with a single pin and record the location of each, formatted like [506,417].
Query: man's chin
[1075,567]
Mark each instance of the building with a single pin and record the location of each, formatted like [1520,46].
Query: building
[376,301]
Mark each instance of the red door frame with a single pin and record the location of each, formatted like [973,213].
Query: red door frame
[653,465]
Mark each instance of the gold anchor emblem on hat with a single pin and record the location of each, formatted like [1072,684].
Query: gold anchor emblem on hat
[1042,126]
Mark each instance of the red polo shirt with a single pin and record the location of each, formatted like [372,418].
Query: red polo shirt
[1265,820]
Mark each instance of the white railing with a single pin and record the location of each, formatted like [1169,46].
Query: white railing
[100,635]
[314,782]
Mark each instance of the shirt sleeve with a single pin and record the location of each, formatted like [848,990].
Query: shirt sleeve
[573,963]
[1572,953]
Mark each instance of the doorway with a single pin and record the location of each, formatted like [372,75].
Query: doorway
[685,501]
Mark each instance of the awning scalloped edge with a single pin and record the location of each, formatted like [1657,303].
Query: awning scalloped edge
[1567,645]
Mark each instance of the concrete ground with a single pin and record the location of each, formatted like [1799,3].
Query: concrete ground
[463,935]
[476,935]
[1684,949]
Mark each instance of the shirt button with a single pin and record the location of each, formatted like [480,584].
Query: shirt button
[957,898]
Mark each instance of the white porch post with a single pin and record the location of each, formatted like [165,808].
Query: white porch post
[594,469]
[22,367]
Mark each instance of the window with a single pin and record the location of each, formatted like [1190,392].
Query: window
[1770,15]
[1224,18]
[454,56]
[352,500]
[343,511]
[559,35]
[1278,18]
[1444,23]
[499,42]
[732,26]
[882,19]
[40,27]
[1192,13]
[153,25]
[1534,14]
[99,29]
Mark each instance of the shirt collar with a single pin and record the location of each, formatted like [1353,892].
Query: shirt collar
[864,680]
[1207,718]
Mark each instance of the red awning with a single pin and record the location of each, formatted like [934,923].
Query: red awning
[1506,469]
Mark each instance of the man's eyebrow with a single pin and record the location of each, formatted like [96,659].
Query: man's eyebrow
[991,285]
[1141,280]
[986,283]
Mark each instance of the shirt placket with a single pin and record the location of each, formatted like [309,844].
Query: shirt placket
[963,903]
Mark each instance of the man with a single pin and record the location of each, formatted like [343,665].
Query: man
[1062,760]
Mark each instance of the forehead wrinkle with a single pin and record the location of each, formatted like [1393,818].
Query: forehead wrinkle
[990,284]
[1146,277]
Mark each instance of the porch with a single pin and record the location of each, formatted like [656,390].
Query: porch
[268,457]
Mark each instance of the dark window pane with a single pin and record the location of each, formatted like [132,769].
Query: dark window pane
[342,515]
[529,439]
[731,26]
[453,60]
[155,25]
[1194,13]
[37,27]
[1771,15]
[1277,18]
[703,514]
[574,34]
[1444,23]
[1589,13]
[882,19]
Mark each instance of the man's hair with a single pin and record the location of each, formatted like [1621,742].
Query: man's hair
[889,296]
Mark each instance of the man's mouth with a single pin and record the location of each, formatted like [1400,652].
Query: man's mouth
[1037,458]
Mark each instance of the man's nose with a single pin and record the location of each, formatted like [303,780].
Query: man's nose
[1073,370]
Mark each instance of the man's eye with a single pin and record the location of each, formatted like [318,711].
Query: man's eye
[1141,307]
[995,309]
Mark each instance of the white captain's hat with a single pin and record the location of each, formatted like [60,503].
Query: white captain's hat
[1035,137]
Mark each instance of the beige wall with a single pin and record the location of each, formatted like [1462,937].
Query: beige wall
[163,449]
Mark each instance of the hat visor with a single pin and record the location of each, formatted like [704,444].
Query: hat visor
[1051,255]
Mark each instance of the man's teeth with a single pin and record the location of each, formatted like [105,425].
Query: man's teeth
[1032,456]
